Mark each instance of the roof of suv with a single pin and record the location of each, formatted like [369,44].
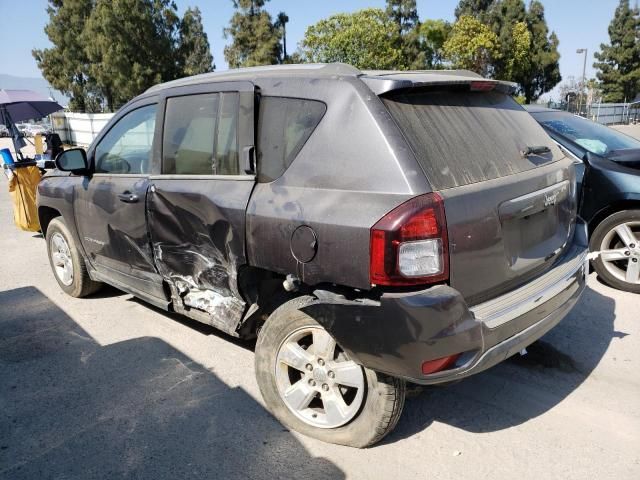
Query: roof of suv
[379,81]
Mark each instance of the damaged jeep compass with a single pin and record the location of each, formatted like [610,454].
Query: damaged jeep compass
[369,228]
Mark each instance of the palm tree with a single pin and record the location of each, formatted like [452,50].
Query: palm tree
[281,23]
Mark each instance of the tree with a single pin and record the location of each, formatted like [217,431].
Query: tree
[404,14]
[194,53]
[517,53]
[528,54]
[474,8]
[472,45]
[64,65]
[507,19]
[594,91]
[131,46]
[364,39]
[281,23]
[433,34]
[569,89]
[255,39]
[543,70]
[618,62]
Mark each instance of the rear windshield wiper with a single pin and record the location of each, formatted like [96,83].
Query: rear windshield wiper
[535,150]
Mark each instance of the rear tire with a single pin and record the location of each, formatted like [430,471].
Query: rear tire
[380,398]
[617,237]
[67,263]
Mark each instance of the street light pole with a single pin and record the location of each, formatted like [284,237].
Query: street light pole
[584,72]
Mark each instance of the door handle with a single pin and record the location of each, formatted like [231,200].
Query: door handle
[128,197]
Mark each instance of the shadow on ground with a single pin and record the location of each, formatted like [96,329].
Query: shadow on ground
[524,387]
[71,408]
[203,328]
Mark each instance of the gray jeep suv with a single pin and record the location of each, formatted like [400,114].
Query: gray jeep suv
[369,228]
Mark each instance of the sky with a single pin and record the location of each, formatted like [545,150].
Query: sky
[578,24]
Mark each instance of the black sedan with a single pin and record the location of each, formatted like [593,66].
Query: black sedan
[608,168]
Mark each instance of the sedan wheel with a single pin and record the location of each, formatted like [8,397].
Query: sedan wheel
[617,239]
[620,252]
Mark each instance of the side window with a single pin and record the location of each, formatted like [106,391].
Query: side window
[284,126]
[226,161]
[126,148]
[189,132]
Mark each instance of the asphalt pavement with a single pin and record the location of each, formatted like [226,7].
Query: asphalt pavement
[109,387]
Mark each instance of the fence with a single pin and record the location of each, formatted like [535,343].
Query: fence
[605,113]
[79,128]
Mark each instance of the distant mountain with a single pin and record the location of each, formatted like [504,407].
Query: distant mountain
[39,85]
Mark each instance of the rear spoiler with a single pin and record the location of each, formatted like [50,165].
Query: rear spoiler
[381,84]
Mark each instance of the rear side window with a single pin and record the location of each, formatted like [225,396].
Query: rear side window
[462,137]
[226,159]
[201,135]
[284,126]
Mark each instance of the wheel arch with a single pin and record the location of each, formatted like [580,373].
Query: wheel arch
[45,215]
[618,206]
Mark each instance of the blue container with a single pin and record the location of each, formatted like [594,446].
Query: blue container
[5,155]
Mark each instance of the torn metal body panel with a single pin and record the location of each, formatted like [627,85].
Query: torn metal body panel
[196,229]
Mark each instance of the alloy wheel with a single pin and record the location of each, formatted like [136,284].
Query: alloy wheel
[620,252]
[316,380]
[61,257]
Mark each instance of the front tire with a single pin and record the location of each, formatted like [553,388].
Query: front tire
[617,238]
[313,387]
[66,261]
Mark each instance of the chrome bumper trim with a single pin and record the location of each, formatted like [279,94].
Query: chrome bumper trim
[505,308]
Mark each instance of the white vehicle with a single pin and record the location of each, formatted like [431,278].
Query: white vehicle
[23,128]
[33,130]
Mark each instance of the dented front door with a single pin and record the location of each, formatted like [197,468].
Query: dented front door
[196,206]
[109,205]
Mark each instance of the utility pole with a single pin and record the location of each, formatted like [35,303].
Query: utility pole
[584,78]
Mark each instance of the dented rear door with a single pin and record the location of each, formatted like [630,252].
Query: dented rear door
[196,205]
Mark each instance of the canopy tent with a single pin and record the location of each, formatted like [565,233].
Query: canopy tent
[20,105]
[26,104]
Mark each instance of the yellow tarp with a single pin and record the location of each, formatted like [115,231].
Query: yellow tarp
[22,188]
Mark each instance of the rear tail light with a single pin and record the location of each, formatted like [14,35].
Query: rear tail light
[409,244]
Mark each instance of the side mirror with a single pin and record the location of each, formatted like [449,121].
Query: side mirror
[73,160]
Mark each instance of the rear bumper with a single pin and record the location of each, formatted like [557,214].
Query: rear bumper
[396,334]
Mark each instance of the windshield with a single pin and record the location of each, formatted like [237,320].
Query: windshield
[591,136]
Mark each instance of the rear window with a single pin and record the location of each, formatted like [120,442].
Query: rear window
[462,137]
[284,126]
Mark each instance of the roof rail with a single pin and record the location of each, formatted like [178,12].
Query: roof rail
[304,69]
